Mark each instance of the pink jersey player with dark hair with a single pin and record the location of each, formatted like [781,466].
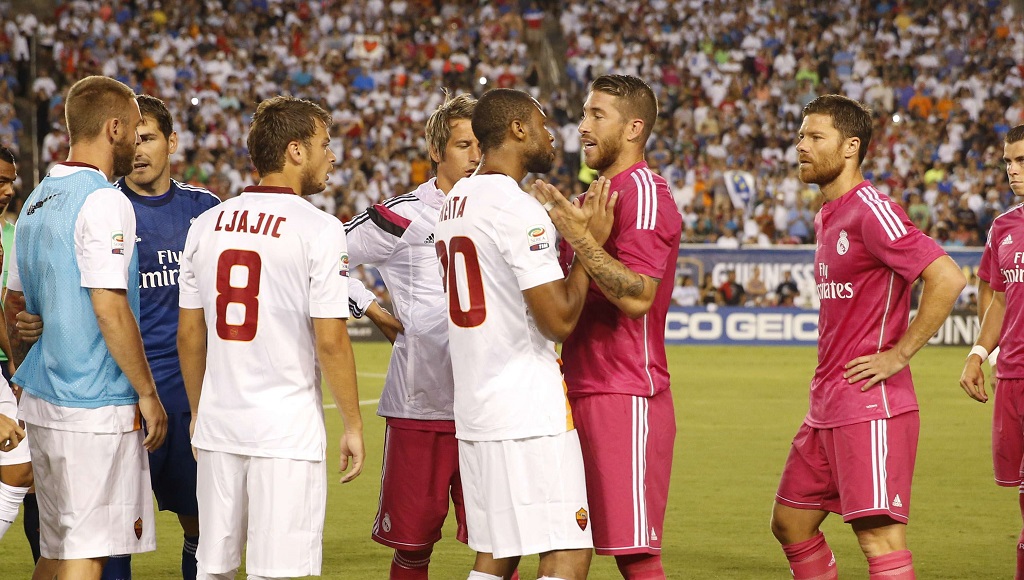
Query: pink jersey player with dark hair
[854,454]
[614,361]
[1002,266]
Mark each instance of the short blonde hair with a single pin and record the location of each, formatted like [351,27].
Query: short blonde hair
[93,101]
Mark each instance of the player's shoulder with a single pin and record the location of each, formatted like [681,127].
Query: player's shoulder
[404,205]
[878,210]
[195,193]
[1010,216]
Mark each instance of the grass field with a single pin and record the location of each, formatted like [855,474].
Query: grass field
[737,410]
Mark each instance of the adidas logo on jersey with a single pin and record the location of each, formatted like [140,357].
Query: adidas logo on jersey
[896,501]
[429,240]
[1007,240]
[654,535]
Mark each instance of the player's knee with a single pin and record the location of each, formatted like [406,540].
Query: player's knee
[878,536]
[17,475]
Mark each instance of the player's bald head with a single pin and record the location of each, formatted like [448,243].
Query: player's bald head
[495,113]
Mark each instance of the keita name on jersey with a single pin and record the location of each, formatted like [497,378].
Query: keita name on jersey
[453,208]
[239,221]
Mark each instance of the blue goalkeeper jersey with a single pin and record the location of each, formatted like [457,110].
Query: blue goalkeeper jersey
[161,226]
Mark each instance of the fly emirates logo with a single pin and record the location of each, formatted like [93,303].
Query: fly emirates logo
[830,290]
[1015,274]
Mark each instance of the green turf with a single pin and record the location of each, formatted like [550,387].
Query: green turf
[737,409]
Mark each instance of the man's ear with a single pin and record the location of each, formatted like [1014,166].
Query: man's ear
[295,152]
[172,143]
[635,130]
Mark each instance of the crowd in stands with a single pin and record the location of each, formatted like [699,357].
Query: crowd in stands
[731,77]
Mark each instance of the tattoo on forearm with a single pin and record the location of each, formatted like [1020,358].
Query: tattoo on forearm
[613,278]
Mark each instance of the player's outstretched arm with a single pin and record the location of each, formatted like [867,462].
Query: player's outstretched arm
[192,357]
[385,321]
[972,380]
[630,292]
[943,281]
[334,352]
[11,433]
[124,341]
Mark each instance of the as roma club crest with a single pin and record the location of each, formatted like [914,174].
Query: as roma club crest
[138,527]
[581,519]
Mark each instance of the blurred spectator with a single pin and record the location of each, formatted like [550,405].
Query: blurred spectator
[787,291]
[731,291]
[708,292]
[685,293]
[756,289]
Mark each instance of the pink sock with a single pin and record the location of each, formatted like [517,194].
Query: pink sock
[640,567]
[892,566]
[1020,557]
[811,559]
[404,568]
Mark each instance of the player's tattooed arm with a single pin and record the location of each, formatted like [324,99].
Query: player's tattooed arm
[614,279]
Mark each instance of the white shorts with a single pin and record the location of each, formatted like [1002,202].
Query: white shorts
[525,496]
[275,505]
[94,494]
[9,407]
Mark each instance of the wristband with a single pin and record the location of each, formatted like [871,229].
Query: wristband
[980,351]
[993,356]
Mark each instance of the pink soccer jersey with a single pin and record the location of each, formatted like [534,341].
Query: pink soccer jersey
[1003,262]
[868,255]
[608,352]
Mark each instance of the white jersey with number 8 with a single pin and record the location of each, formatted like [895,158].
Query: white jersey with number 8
[261,266]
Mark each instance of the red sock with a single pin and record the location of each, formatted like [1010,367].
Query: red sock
[515,574]
[640,567]
[892,566]
[404,568]
[811,559]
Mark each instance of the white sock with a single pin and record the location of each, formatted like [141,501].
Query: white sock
[10,504]
[474,575]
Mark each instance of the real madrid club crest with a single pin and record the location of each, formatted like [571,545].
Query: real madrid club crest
[843,245]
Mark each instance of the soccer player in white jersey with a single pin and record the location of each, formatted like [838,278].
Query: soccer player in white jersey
[1002,324]
[854,454]
[421,462]
[264,300]
[507,302]
[85,382]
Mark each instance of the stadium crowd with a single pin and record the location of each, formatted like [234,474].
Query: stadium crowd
[731,76]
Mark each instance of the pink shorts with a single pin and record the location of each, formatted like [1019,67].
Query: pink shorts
[627,456]
[858,470]
[420,471]
[1008,432]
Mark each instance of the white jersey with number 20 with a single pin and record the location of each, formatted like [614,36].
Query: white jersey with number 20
[494,240]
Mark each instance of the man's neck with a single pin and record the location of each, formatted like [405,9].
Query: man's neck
[95,154]
[156,188]
[624,161]
[283,181]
